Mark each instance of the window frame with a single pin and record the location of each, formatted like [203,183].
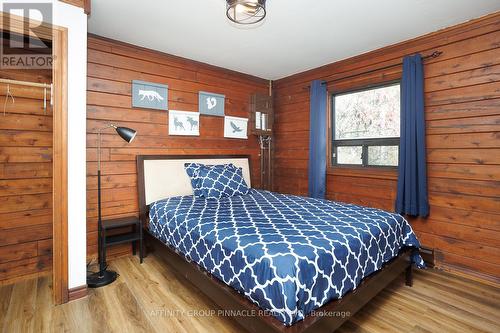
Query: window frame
[364,143]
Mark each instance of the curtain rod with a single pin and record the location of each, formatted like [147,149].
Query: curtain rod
[433,55]
[26,83]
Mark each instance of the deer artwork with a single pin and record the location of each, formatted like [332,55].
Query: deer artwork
[192,122]
[178,124]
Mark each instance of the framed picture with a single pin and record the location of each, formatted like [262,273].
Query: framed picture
[235,127]
[149,95]
[183,123]
[211,104]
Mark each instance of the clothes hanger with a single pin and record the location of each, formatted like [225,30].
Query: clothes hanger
[44,101]
[9,94]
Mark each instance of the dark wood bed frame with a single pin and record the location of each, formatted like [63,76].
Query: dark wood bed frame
[326,319]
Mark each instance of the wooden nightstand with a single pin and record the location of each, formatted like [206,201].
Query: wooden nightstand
[133,236]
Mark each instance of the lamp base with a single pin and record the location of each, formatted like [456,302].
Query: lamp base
[101,279]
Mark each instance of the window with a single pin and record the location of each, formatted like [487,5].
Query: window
[366,127]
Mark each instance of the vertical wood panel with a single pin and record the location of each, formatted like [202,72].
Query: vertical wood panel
[60,167]
[111,68]
[462,91]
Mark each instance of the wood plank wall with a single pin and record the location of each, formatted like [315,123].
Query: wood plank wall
[462,94]
[25,178]
[85,4]
[111,68]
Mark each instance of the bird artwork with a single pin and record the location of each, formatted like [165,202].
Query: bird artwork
[235,128]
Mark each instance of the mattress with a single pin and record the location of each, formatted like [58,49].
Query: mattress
[287,254]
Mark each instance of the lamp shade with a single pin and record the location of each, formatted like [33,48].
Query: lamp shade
[246,11]
[126,133]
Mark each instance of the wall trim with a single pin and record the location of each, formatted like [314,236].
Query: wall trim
[463,272]
[77,292]
[60,166]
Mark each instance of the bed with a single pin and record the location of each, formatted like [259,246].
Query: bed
[298,264]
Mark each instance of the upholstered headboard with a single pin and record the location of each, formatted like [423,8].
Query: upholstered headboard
[163,176]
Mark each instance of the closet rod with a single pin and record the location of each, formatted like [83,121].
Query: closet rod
[26,83]
[433,55]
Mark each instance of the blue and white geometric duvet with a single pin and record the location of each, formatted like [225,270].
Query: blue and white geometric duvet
[287,254]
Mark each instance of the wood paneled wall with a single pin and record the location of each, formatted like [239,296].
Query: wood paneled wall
[25,178]
[111,68]
[85,4]
[462,95]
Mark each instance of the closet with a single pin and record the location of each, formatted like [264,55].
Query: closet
[26,158]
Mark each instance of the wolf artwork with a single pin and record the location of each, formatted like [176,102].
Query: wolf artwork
[149,95]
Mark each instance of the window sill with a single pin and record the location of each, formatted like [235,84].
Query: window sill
[364,172]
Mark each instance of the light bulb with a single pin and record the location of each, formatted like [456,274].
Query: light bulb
[240,8]
[248,8]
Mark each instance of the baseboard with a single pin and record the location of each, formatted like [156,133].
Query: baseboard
[25,277]
[469,274]
[433,259]
[77,292]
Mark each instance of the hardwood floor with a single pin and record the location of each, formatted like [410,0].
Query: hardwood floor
[150,298]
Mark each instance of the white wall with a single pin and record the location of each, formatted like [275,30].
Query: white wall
[75,20]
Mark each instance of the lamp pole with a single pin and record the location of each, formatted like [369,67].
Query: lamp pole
[103,276]
[100,245]
[101,258]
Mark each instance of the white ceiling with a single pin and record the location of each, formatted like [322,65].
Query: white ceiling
[295,36]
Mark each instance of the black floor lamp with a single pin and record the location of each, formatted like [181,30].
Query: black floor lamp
[104,276]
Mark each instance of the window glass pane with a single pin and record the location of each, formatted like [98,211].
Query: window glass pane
[367,114]
[349,155]
[383,155]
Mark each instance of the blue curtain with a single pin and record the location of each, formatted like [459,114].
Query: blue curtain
[317,140]
[412,178]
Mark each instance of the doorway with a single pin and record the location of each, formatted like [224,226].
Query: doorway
[33,165]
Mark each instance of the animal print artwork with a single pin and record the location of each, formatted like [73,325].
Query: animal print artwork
[235,127]
[211,104]
[149,95]
[183,123]
[178,124]
[192,122]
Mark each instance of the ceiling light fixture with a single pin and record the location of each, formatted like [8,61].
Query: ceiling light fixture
[246,11]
